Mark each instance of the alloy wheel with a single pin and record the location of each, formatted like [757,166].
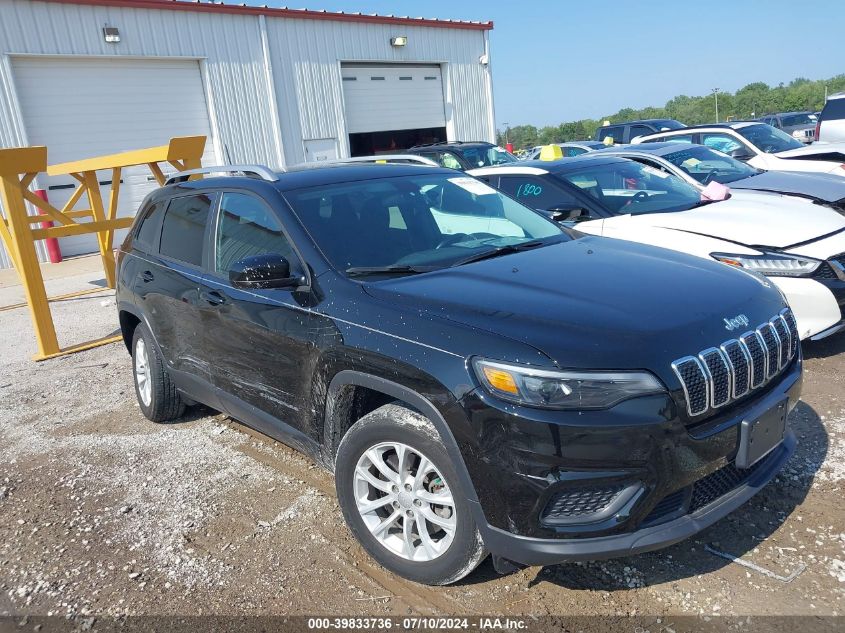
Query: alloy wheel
[404,501]
[142,372]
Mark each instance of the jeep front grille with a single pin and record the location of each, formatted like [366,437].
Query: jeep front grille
[717,376]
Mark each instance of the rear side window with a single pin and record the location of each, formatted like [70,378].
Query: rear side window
[569,152]
[183,229]
[677,138]
[834,109]
[149,229]
[613,131]
[640,130]
[534,192]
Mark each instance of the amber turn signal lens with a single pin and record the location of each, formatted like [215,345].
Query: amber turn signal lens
[501,380]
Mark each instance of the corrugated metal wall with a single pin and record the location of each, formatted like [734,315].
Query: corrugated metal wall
[305,56]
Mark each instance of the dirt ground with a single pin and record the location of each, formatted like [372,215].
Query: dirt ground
[104,513]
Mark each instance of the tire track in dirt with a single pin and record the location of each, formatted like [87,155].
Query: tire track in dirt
[296,466]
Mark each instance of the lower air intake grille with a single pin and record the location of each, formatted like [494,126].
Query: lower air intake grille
[667,506]
[580,502]
[719,483]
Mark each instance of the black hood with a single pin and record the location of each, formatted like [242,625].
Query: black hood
[594,302]
[826,188]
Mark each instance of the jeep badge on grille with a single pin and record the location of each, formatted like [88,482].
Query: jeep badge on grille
[738,321]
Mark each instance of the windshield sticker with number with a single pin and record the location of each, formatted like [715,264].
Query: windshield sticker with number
[473,186]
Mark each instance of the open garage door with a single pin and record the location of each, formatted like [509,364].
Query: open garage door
[82,107]
[392,107]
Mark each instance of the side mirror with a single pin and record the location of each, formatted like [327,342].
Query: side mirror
[263,271]
[566,213]
[740,153]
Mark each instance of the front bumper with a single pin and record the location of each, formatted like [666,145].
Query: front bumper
[537,551]
[818,304]
[664,458]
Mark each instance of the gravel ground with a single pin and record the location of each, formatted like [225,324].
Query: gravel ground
[104,513]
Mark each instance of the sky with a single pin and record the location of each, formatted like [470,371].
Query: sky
[557,61]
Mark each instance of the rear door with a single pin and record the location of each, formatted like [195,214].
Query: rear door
[168,278]
[259,338]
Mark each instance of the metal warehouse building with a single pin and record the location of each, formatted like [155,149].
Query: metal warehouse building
[266,85]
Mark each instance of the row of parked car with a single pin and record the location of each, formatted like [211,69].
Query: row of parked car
[550,360]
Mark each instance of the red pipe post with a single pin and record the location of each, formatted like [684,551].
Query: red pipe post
[52,243]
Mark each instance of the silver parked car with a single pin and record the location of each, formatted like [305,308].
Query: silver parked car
[831,127]
[800,125]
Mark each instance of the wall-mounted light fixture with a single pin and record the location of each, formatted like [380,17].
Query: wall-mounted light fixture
[111,34]
[399,40]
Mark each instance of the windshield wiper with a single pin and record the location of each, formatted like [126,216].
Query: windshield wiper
[362,271]
[497,252]
[702,203]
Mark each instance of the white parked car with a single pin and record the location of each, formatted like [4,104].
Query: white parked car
[798,245]
[831,125]
[760,145]
[699,166]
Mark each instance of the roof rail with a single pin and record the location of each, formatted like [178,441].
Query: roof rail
[254,171]
[390,158]
[383,158]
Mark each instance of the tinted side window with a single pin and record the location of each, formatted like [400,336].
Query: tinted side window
[834,109]
[721,142]
[534,192]
[183,229]
[246,228]
[640,130]
[149,230]
[677,138]
[449,160]
[613,131]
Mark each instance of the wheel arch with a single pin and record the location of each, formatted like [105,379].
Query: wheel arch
[396,392]
[130,318]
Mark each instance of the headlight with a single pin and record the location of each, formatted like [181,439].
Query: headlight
[552,389]
[771,264]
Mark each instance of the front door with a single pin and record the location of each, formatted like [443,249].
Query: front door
[259,339]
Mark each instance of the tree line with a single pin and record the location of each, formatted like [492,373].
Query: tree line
[752,101]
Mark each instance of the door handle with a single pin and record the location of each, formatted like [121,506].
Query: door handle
[213,297]
[147,276]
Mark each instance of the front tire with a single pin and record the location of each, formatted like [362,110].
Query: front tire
[157,395]
[402,499]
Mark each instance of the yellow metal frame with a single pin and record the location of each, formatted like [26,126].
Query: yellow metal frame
[18,230]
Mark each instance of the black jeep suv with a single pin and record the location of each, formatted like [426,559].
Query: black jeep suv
[479,379]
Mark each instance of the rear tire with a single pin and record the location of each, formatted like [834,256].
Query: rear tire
[157,395]
[402,499]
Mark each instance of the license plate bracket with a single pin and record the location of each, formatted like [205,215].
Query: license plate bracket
[758,437]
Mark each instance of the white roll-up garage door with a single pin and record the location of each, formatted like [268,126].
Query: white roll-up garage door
[83,107]
[394,97]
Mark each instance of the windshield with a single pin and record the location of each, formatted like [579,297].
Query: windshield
[705,165]
[769,139]
[805,118]
[624,187]
[484,156]
[669,124]
[426,222]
